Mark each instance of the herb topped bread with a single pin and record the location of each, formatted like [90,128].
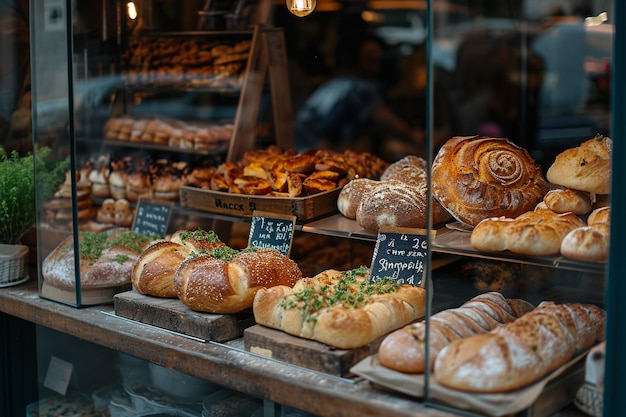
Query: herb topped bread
[342,309]
[106,259]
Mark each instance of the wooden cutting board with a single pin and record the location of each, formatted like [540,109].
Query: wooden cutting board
[172,314]
[306,353]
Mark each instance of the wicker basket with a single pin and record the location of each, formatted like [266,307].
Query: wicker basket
[589,399]
[13,266]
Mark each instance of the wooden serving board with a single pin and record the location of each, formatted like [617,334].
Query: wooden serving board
[306,353]
[172,314]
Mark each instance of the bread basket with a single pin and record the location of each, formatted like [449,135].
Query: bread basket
[13,268]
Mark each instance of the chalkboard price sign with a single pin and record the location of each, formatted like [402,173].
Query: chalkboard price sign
[152,217]
[271,230]
[400,254]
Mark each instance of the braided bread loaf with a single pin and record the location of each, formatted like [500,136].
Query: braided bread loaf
[520,353]
[403,349]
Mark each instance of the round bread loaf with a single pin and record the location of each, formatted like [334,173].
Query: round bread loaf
[562,200]
[476,177]
[410,169]
[351,194]
[599,215]
[394,204]
[224,285]
[586,243]
[586,167]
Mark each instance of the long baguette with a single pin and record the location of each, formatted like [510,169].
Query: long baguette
[522,352]
[403,349]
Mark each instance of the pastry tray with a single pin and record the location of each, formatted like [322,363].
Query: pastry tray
[241,205]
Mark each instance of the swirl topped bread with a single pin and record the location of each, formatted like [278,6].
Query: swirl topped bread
[477,177]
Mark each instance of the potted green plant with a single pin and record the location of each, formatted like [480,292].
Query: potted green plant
[18,207]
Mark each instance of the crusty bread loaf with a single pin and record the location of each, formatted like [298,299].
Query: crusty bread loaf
[411,169]
[153,273]
[534,233]
[599,215]
[563,200]
[106,259]
[392,203]
[589,243]
[397,200]
[586,167]
[476,177]
[404,349]
[351,194]
[227,282]
[340,309]
[586,243]
[520,353]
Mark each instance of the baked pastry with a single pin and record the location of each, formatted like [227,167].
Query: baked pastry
[520,353]
[226,281]
[586,167]
[562,200]
[153,273]
[477,177]
[106,212]
[106,259]
[404,349]
[340,309]
[535,233]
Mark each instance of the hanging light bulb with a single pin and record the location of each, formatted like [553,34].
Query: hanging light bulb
[301,8]
[132,10]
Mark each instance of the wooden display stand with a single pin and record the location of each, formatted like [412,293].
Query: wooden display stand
[268,57]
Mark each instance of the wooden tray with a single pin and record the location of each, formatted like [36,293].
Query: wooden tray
[306,353]
[239,205]
[172,314]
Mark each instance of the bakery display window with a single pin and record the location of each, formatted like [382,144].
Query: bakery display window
[167,102]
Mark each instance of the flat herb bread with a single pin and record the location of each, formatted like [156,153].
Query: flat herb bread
[341,309]
[106,259]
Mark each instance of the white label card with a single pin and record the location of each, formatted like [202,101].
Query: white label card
[58,375]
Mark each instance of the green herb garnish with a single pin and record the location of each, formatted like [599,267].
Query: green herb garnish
[200,234]
[352,291]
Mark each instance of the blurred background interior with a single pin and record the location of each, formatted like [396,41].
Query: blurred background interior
[535,71]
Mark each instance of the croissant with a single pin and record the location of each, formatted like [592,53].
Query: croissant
[521,352]
[476,177]
[403,349]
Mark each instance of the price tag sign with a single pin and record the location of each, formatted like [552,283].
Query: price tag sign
[152,217]
[400,254]
[271,230]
